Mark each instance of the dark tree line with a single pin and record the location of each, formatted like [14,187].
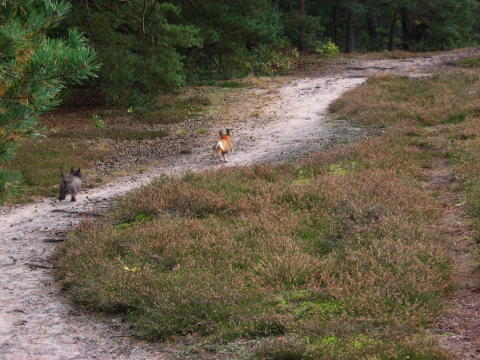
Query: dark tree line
[151,46]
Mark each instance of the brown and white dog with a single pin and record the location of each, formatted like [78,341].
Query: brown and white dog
[224,145]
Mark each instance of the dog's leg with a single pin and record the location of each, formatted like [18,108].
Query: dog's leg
[73,197]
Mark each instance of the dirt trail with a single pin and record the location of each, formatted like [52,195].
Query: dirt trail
[459,328]
[37,323]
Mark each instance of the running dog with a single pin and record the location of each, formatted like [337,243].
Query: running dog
[224,145]
[71,183]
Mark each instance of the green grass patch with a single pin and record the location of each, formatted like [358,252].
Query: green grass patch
[169,109]
[112,133]
[232,84]
[455,118]
[39,163]
[472,62]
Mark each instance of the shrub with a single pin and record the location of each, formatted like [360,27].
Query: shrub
[325,47]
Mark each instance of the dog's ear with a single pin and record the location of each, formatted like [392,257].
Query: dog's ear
[71,170]
[220,133]
[228,131]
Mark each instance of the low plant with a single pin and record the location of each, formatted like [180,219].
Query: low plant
[10,185]
[268,60]
[472,62]
[325,47]
[99,122]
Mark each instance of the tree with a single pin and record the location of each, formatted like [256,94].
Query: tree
[35,68]
[237,36]
[139,43]
[301,40]
[350,31]
[393,27]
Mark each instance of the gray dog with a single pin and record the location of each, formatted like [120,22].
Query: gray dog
[71,183]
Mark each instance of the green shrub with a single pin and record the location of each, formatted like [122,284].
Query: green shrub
[270,60]
[469,62]
[325,47]
[10,185]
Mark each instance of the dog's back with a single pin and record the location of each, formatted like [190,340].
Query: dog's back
[224,145]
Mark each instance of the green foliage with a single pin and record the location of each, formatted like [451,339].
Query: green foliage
[151,47]
[238,37]
[472,62]
[138,44]
[99,122]
[293,21]
[35,68]
[325,47]
[269,60]
[10,185]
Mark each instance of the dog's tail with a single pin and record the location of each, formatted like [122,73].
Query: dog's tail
[218,146]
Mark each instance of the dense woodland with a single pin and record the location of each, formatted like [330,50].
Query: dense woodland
[147,46]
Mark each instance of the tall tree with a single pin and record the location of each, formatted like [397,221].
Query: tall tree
[140,44]
[393,27]
[372,24]
[408,26]
[34,68]
[350,31]
[301,9]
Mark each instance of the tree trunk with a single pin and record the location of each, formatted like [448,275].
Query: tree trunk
[334,23]
[372,24]
[301,39]
[407,28]
[350,35]
[391,37]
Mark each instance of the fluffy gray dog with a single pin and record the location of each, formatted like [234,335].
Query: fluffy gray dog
[71,183]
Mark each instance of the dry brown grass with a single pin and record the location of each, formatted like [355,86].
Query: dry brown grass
[40,161]
[340,251]
[398,54]
[83,136]
[337,257]
[337,245]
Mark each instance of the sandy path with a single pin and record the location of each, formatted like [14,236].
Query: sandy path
[36,322]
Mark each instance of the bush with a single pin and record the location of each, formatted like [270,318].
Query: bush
[141,54]
[325,47]
[10,185]
[34,69]
[269,60]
